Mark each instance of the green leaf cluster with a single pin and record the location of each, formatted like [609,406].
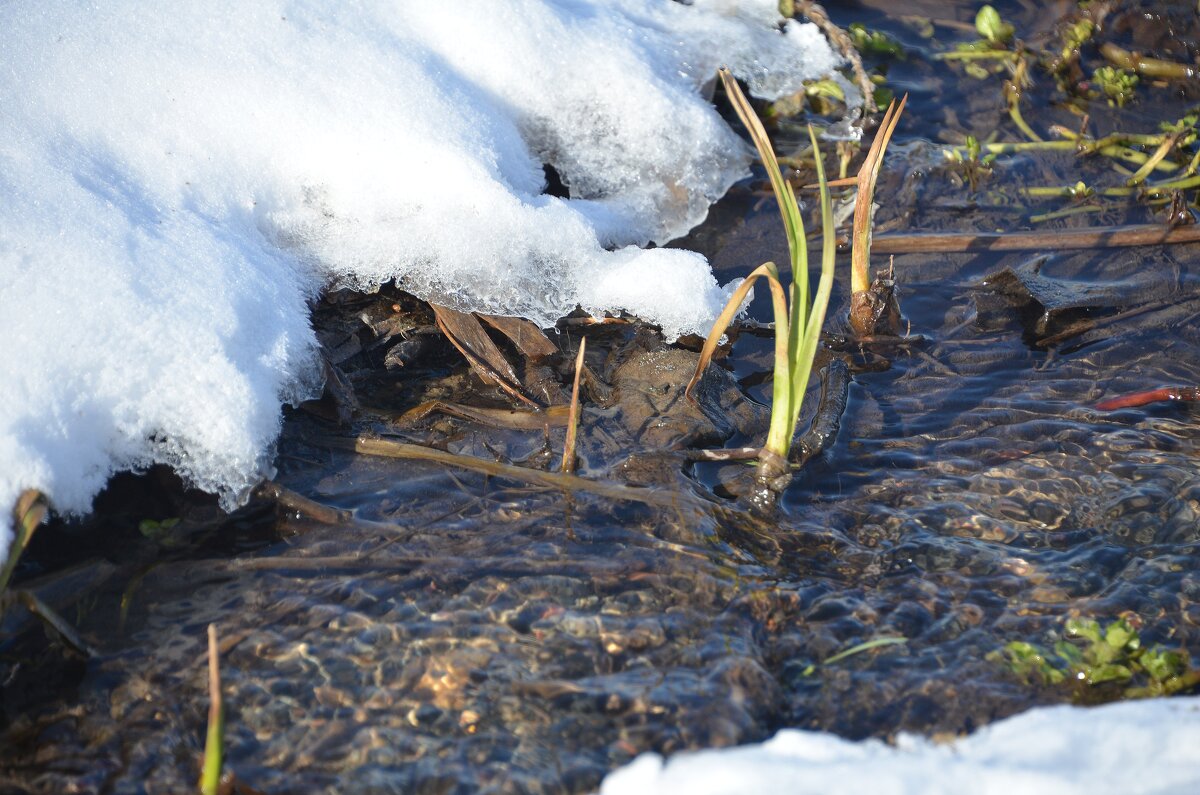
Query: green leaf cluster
[1119,85]
[1090,655]
[874,42]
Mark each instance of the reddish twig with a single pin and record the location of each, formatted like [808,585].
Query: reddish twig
[1186,393]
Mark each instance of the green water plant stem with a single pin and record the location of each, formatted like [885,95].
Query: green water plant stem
[1150,67]
[214,743]
[1111,146]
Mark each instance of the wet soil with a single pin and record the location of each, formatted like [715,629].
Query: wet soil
[462,632]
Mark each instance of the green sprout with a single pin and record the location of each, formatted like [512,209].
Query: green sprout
[874,42]
[798,319]
[971,160]
[1116,83]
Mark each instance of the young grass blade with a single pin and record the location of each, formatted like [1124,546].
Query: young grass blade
[868,175]
[568,461]
[771,273]
[214,750]
[789,211]
[28,513]
[809,338]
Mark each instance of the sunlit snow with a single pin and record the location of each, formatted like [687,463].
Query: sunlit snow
[178,182]
[1132,748]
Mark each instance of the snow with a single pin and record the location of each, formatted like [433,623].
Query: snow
[176,185]
[1128,748]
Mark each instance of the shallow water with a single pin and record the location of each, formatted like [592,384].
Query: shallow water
[469,633]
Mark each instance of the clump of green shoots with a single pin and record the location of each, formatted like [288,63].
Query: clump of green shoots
[1119,85]
[1101,663]
[798,316]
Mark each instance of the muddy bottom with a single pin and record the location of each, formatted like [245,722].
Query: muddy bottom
[453,631]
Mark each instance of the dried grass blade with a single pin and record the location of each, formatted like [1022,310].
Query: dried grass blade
[568,461]
[367,445]
[28,513]
[758,135]
[730,311]
[868,175]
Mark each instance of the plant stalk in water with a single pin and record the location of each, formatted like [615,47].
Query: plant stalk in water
[798,320]
[214,743]
[864,306]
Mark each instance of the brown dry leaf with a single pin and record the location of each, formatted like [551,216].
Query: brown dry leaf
[530,340]
[467,335]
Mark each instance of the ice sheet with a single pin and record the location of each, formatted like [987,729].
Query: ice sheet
[176,184]
[1131,748]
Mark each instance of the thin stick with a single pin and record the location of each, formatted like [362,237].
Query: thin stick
[367,445]
[845,46]
[214,744]
[568,461]
[1050,240]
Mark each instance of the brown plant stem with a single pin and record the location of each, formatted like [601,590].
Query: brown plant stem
[1048,240]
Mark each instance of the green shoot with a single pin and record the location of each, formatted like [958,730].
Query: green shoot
[797,321]
[214,743]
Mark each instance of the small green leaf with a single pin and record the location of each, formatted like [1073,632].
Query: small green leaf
[1111,672]
[1085,628]
[1119,635]
[1163,664]
[991,27]
[787,8]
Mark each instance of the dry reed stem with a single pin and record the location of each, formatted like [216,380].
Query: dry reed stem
[868,175]
[1050,240]
[730,311]
[568,460]
[368,445]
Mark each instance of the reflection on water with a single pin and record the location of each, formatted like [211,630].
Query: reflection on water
[466,633]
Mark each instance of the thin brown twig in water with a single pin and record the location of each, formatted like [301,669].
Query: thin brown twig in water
[1049,240]
[369,445]
[568,460]
[845,46]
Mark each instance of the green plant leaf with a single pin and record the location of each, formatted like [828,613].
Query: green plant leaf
[991,27]
[1110,672]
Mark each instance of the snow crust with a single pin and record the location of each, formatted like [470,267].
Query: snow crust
[177,183]
[1129,748]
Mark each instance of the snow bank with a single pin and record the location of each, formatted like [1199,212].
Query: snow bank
[1131,748]
[177,182]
